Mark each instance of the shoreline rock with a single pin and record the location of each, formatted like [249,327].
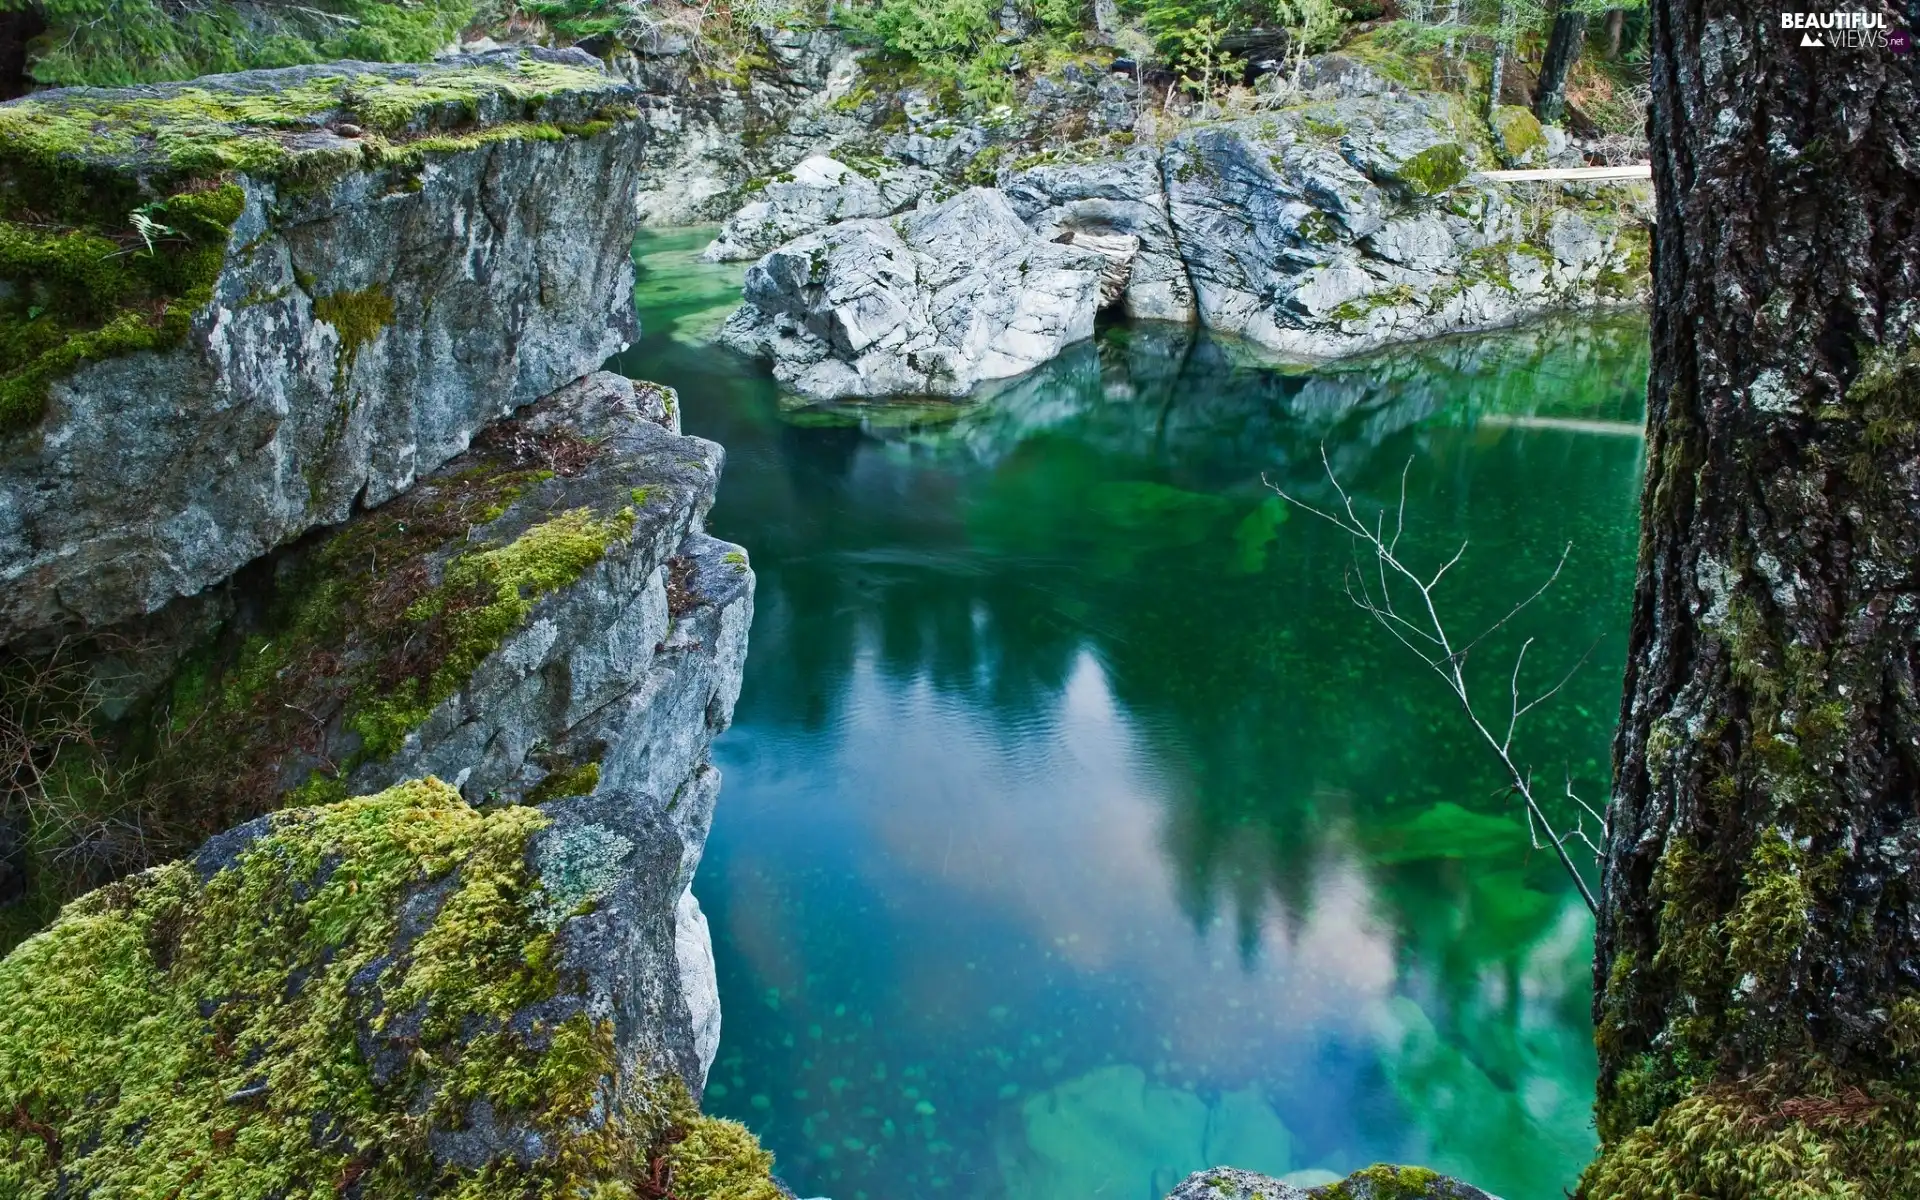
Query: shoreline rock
[929,303]
[382,291]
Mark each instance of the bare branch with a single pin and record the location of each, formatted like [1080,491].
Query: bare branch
[1448,662]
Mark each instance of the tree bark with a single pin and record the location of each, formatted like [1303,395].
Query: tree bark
[1760,926]
[1615,25]
[1563,47]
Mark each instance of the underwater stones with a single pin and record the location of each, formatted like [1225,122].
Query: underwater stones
[376,301]
[929,303]
[817,192]
[1115,1132]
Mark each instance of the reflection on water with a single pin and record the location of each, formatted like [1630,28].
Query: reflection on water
[1078,833]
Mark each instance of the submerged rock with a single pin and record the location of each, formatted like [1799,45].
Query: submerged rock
[818,192]
[929,303]
[358,266]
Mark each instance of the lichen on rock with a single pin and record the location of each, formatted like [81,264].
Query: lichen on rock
[504,624]
[219,327]
[386,996]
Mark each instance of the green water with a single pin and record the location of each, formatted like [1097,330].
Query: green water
[1078,832]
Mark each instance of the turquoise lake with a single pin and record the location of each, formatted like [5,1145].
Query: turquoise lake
[1078,832]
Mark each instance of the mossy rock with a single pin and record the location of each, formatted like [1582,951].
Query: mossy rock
[1435,170]
[149,41]
[1518,137]
[384,997]
[1381,1181]
[116,207]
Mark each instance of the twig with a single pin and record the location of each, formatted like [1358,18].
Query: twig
[1436,649]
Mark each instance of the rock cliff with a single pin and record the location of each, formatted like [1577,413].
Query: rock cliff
[1355,218]
[929,303]
[236,308]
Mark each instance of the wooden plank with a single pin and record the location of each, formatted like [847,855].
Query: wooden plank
[1570,424]
[1627,174]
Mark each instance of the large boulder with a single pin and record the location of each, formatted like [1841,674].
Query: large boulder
[1347,224]
[237,308]
[395,995]
[929,303]
[1118,207]
[1381,1182]
[818,192]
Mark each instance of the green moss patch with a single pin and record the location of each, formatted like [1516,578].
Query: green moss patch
[1755,1142]
[1518,132]
[72,294]
[116,206]
[1435,169]
[357,979]
[144,41]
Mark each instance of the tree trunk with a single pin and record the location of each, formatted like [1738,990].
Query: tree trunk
[1563,47]
[1757,967]
[1616,24]
[1502,39]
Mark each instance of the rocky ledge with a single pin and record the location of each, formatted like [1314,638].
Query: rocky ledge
[491,974]
[542,616]
[233,309]
[929,303]
[1355,219]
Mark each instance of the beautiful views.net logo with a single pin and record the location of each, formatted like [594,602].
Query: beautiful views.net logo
[1846,31]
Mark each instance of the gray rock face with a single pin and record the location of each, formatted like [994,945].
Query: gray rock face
[1324,229]
[818,192]
[925,304]
[1346,225]
[1082,202]
[1373,1183]
[358,336]
[704,142]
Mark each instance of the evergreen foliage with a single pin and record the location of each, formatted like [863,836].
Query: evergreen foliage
[112,43]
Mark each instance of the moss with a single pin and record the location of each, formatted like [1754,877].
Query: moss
[1518,131]
[75,295]
[1398,296]
[568,781]
[1383,1181]
[358,317]
[147,41]
[485,596]
[1435,169]
[1751,1142]
[116,207]
[721,1160]
[1770,920]
[257,993]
